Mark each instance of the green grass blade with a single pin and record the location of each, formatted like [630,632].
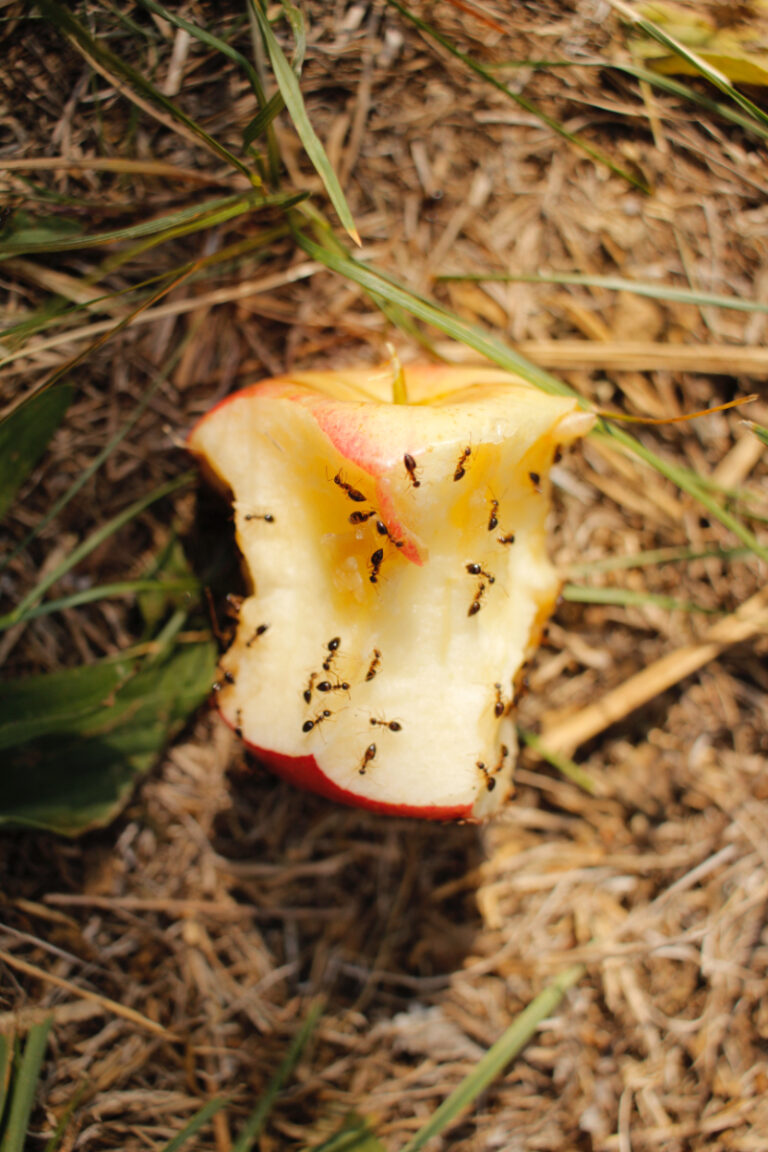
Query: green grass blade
[208,214]
[6,1065]
[654,557]
[676,88]
[210,41]
[522,101]
[251,1130]
[96,538]
[354,1135]
[198,1121]
[689,483]
[24,436]
[24,1086]
[629,597]
[160,378]
[103,592]
[290,90]
[130,82]
[657,33]
[563,764]
[619,284]
[492,1064]
[759,430]
[378,284]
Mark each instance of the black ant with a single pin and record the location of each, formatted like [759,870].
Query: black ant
[535,479]
[308,725]
[360,517]
[490,783]
[333,647]
[498,707]
[226,678]
[267,517]
[382,530]
[460,469]
[410,467]
[476,570]
[326,686]
[493,520]
[393,725]
[239,722]
[475,606]
[504,753]
[376,562]
[374,665]
[307,693]
[509,539]
[369,754]
[256,634]
[350,491]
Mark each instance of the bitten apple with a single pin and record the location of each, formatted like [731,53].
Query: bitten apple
[399,575]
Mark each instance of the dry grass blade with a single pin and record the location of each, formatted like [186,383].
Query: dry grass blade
[121,1010]
[749,620]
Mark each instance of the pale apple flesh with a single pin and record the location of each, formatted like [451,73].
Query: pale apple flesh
[399,575]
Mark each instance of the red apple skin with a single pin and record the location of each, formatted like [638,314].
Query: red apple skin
[303,772]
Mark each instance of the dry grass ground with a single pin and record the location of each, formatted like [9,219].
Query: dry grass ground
[221,903]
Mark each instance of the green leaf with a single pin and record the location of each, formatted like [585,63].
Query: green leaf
[76,741]
[24,436]
[290,90]
[23,1088]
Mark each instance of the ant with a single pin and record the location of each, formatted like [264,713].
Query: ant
[493,520]
[239,722]
[376,562]
[267,517]
[257,633]
[307,693]
[460,469]
[308,725]
[350,491]
[333,647]
[504,753]
[476,570]
[374,665]
[393,725]
[498,707]
[370,752]
[510,539]
[490,783]
[475,606]
[410,467]
[360,517]
[326,686]
[382,530]
[535,479]
[226,678]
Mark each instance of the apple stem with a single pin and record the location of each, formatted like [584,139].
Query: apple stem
[399,390]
